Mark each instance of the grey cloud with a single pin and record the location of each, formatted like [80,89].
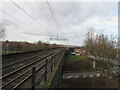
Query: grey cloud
[5,22]
[71,17]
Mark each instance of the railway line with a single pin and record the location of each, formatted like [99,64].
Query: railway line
[10,66]
[20,69]
[10,57]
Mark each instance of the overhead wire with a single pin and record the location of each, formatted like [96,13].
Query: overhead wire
[54,16]
[43,15]
[25,24]
[33,17]
[26,12]
[42,11]
[15,19]
[18,14]
[51,10]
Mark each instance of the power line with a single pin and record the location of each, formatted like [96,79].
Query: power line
[49,22]
[66,39]
[14,14]
[53,14]
[31,15]
[15,18]
[49,31]
[43,14]
[41,11]
[25,12]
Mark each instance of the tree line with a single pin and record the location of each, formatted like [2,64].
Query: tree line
[17,46]
[100,44]
[14,46]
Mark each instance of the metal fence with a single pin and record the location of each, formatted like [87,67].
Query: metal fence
[33,76]
[59,73]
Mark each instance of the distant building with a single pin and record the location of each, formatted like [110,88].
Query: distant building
[81,51]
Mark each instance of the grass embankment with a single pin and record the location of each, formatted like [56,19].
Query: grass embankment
[83,64]
[95,82]
[79,64]
[73,58]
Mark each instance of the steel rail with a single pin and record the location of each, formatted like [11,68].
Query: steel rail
[27,53]
[41,77]
[46,56]
[19,54]
[23,56]
[14,88]
[22,60]
[22,67]
[5,85]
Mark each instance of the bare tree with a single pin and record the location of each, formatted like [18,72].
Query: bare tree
[89,40]
[102,46]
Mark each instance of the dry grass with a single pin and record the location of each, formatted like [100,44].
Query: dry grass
[89,83]
[79,65]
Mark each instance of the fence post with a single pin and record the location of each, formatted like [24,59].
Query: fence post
[46,70]
[54,59]
[52,64]
[63,63]
[33,78]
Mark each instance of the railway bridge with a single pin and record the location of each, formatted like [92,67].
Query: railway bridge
[35,69]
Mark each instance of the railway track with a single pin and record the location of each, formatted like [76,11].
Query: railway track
[13,57]
[22,72]
[10,57]
[15,64]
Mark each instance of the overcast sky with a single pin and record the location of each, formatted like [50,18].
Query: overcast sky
[73,19]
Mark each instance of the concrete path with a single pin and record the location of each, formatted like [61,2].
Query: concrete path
[83,74]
